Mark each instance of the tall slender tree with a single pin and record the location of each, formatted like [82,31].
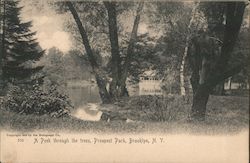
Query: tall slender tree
[188,38]
[19,49]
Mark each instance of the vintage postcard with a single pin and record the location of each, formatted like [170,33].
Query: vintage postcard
[124,81]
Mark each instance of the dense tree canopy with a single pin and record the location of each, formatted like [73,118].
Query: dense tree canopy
[19,48]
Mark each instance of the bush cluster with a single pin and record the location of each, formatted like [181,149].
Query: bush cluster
[159,108]
[37,101]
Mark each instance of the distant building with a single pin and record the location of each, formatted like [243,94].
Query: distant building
[149,84]
[229,85]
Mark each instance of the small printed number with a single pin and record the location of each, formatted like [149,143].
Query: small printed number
[20,140]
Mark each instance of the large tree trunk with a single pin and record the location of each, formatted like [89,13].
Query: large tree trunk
[194,81]
[115,59]
[200,100]
[220,72]
[123,90]
[201,93]
[194,60]
[99,75]
[102,89]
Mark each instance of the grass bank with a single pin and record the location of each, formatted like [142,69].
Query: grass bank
[224,115]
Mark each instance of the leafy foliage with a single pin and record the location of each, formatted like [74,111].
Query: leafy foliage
[154,108]
[61,68]
[36,101]
[241,55]
[53,68]
[158,108]
[20,49]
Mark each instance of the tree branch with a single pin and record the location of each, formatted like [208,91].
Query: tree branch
[83,34]
[132,41]
[230,72]
[234,18]
[224,75]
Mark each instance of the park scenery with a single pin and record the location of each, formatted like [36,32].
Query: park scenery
[124,66]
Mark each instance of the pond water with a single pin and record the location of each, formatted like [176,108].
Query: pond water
[86,100]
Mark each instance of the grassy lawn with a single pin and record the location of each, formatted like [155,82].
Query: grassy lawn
[225,114]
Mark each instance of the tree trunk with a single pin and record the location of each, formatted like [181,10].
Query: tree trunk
[103,90]
[194,60]
[130,50]
[115,60]
[220,72]
[99,75]
[182,68]
[219,89]
[182,78]
[200,100]
[230,83]
[234,18]
[124,91]
[195,80]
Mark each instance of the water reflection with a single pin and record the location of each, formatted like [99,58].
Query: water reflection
[86,100]
[88,112]
[80,96]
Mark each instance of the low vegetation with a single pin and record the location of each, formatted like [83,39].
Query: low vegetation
[225,115]
[35,101]
[150,108]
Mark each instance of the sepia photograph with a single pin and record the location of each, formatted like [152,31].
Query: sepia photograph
[124,81]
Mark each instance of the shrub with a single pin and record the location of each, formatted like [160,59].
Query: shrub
[160,108]
[37,101]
